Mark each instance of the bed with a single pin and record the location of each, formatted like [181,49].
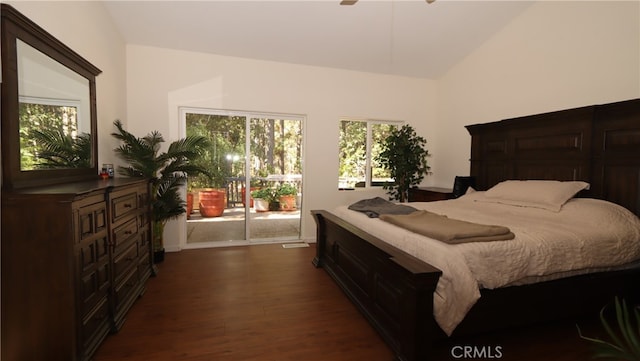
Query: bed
[395,290]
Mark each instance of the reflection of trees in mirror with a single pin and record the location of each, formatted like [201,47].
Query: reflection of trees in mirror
[49,137]
[58,150]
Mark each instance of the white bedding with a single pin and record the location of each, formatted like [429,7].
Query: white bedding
[584,236]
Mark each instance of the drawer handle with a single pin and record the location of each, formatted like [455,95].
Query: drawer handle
[128,232]
[127,205]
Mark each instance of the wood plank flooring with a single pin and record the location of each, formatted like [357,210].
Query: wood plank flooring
[264,302]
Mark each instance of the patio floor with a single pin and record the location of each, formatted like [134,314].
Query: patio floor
[231,226]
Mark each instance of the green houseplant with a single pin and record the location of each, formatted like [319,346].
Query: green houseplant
[624,343]
[403,153]
[287,193]
[263,198]
[167,172]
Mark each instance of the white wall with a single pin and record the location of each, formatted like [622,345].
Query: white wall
[161,80]
[94,36]
[556,55]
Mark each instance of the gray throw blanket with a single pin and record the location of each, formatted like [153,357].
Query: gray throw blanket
[376,206]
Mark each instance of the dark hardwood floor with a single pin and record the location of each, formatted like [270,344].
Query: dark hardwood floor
[265,302]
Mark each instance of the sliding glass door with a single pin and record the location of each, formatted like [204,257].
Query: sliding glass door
[253,191]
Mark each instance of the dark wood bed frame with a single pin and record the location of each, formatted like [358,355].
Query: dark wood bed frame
[599,144]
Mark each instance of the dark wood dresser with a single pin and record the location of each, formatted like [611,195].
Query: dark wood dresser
[75,257]
[429,194]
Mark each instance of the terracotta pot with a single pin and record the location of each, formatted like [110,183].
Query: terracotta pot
[288,203]
[243,191]
[212,202]
[189,205]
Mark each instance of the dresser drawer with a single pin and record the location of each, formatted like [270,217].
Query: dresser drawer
[95,324]
[94,287]
[90,254]
[124,293]
[92,220]
[123,235]
[92,258]
[123,263]
[123,204]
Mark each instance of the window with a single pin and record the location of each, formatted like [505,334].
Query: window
[359,146]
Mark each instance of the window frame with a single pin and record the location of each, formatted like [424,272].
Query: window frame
[368,148]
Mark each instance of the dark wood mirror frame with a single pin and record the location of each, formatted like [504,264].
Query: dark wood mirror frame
[16,26]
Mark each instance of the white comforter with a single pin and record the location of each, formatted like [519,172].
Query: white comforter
[586,235]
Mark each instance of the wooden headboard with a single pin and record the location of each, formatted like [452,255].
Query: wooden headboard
[599,144]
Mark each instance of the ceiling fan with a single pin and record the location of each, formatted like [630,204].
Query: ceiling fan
[352,2]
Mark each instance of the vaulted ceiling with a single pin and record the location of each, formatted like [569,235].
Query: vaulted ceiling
[399,37]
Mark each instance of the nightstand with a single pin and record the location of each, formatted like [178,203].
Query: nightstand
[429,194]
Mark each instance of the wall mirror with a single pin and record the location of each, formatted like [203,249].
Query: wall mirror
[49,132]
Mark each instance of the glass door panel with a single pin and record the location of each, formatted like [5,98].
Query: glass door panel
[276,171]
[219,212]
[262,151]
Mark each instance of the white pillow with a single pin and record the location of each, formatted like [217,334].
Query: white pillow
[543,194]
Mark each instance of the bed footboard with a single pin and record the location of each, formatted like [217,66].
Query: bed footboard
[392,289]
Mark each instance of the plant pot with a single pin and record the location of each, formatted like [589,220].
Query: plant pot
[158,256]
[288,203]
[260,205]
[274,206]
[212,202]
[243,191]
[189,205]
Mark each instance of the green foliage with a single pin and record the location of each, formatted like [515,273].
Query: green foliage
[379,132]
[275,147]
[225,136]
[624,343]
[403,153]
[353,151]
[287,189]
[166,171]
[55,149]
[268,194]
[48,137]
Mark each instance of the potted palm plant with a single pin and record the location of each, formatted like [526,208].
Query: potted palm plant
[404,155]
[167,173]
